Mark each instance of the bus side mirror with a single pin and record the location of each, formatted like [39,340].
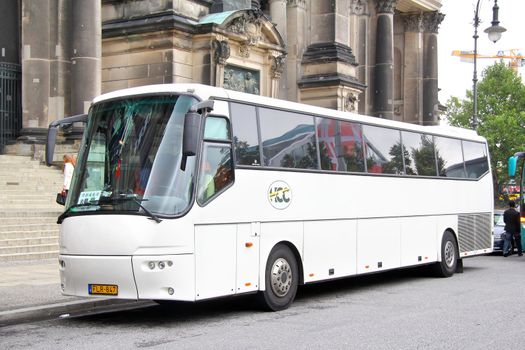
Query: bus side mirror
[191,130]
[190,138]
[512,166]
[52,132]
[50,143]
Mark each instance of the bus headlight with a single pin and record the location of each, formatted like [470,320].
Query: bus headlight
[151,265]
[162,265]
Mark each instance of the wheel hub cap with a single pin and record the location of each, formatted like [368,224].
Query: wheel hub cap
[449,254]
[281,277]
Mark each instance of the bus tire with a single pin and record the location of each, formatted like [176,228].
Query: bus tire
[281,277]
[449,256]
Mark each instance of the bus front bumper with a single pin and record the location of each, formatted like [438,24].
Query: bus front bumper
[166,277]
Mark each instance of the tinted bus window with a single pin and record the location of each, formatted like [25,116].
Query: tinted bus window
[340,145]
[245,137]
[216,128]
[383,150]
[449,157]
[419,154]
[476,159]
[288,139]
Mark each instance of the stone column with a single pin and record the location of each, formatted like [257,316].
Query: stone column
[413,69]
[278,61]
[384,67]
[296,32]
[431,22]
[45,65]
[359,42]
[278,15]
[221,53]
[86,55]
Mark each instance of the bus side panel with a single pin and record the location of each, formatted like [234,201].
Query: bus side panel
[329,249]
[418,236]
[273,233]
[247,276]
[215,260]
[378,244]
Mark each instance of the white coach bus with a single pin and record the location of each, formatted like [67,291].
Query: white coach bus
[190,192]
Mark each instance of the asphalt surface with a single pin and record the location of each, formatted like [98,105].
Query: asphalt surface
[481,308]
[30,291]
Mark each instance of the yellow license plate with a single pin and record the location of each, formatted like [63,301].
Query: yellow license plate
[103,289]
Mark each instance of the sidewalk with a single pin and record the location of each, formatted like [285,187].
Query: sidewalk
[30,291]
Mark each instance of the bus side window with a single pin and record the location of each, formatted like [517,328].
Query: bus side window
[245,134]
[216,172]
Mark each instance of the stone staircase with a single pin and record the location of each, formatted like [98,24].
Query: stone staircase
[28,212]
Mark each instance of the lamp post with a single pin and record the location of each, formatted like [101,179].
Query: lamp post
[494,32]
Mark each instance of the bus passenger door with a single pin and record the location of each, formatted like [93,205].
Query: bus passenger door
[248,257]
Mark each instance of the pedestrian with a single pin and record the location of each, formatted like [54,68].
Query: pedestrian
[69,166]
[511,217]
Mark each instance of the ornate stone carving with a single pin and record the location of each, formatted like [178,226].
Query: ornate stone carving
[351,101]
[244,50]
[278,64]
[413,22]
[296,3]
[385,6]
[397,109]
[432,20]
[221,51]
[249,24]
[358,7]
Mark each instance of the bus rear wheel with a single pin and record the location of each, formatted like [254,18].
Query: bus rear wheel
[281,279]
[449,256]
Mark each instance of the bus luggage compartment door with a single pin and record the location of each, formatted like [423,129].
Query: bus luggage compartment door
[247,277]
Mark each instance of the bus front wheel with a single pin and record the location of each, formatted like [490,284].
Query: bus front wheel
[449,256]
[281,279]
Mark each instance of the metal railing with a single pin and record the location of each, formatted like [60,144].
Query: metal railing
[10,103]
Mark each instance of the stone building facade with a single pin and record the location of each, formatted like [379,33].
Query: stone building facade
[376,57]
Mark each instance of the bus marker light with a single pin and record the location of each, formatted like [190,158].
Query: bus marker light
[170,291]
[248,244]
[311,275]
[426,257]
[247,284]
[367,266]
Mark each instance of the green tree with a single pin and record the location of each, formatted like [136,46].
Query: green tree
[501,120]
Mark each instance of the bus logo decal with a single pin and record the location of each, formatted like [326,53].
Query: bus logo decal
[280,195]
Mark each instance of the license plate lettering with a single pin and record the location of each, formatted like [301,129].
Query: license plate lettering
[103,289]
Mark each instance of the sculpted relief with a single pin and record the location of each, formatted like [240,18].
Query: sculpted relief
[241,79]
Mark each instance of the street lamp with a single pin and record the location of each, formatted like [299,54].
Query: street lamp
[494,32]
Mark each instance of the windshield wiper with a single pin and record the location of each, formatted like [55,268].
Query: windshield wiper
[68,210]
[124,197]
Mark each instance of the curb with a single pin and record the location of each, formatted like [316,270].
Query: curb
[63,310]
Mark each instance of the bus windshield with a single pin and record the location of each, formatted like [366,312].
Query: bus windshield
[129,159]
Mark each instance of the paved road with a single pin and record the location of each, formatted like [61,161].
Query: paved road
[398,310]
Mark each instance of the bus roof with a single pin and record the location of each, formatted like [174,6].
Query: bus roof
[205,92]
